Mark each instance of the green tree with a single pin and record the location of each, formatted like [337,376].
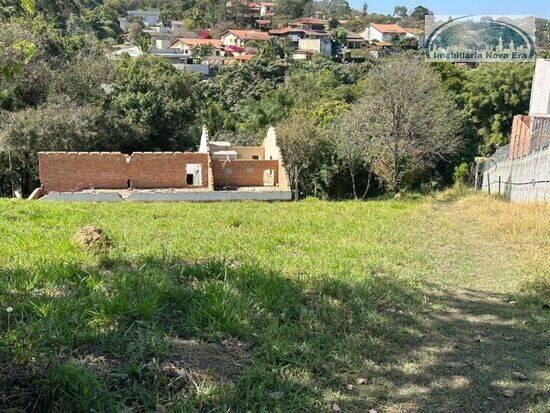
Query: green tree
[336,9]
[103,22]
[237,84]
[492,95]
[400,11]
[340,35]
[408,120]
[301,142]
[59,125]
[163,102]
[291,9]
[143,43]
[203,51]
[351,138]
[135,31]
[420,12]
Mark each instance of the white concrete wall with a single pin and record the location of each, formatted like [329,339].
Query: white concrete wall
[525,179]
[322,46]
[540,91]
[230,39]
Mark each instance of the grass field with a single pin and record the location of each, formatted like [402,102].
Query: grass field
[422,304]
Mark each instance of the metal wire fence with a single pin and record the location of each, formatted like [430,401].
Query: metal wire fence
[524,179]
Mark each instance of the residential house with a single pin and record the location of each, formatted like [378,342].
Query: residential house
[263,24]
[241,38]
[415,33]
[149,17]
[177,26]
[308,36]
[354,40]
[309,23]
[162,41]
[376,32]
[262,9]
[186,45]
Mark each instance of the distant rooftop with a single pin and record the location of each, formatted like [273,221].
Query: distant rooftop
[388,28]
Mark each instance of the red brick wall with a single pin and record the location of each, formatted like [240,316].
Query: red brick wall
[75,171]
[521,136]
[243,172]
[165,169]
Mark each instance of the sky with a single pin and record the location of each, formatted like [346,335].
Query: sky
[539,8]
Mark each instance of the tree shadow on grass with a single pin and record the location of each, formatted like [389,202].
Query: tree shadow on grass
[218,335]
[481,352]
[207,335]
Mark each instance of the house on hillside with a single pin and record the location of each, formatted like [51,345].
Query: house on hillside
[218,171]
[247,11]
[149,17]
[354,40]
[308,37]
[186,45]
[309,23]
[242,38]
[376,32]
[262,9]
[263,24]
[415,33]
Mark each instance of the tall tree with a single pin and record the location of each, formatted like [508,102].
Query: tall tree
[400,11]
[420,12]
[300,141]
[353,146]
[149,92]
[410,122]
[492,94]
[336,9]
[291,9]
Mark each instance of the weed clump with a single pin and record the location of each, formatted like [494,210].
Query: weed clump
[92,238]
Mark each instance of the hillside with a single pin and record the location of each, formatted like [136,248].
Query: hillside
[428,304]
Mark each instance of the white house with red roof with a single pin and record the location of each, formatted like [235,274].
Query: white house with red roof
[187,44]
[239,38]
[376,32]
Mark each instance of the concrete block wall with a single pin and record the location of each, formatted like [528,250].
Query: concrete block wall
[272,151]
[75,171]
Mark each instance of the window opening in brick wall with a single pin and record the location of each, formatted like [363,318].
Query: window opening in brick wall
[193,175]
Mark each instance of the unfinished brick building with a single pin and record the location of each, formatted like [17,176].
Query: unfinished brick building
[218,171]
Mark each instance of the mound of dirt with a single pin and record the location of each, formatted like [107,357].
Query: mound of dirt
[195,359]
[92,238]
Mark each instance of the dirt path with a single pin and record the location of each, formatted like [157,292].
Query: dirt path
[480,350]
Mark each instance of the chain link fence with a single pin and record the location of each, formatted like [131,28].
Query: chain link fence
[524,179]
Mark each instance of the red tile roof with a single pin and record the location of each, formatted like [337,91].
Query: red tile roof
[248,34]
[287,30]
[192,42]
[244,57]
[388,28]
[308,20]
